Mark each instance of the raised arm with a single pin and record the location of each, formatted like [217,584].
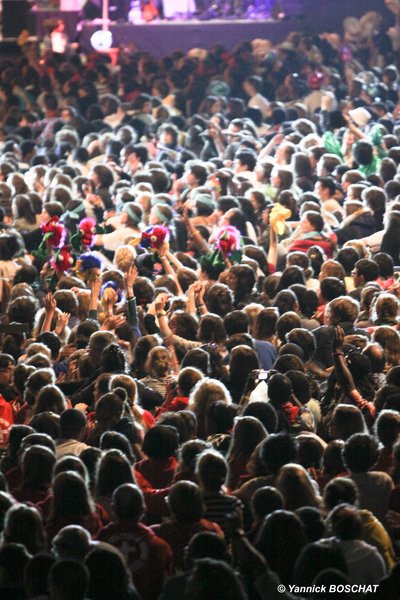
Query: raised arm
[50,306]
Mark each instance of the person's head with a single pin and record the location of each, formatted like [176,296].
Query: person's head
[388,338]
[264,502]
[340,490]
[342,310]
[363,152]
[109,409]
[345,522]
[71,496]
[23,525]
[314,561]
[278,450]
[241,280]
[160,442]
[68,580]
[248,432]
[264,412]
[331,268]
[386,308]
[128,503]
[286,301]
[37,466]
[280,541]
[50,398]
[109,575]
[205,545]
[265,326]
[113,359]
[296,487]
[36,574]
[72,424]
[113,470]
[187,379]
[387,428]
[291,275]
[185,501]
[214,579]
[304,339]
[16,434]
[7,367]
[280,389]
[385,264]
[346,420]
[360,452]
[312,221]
[72,541]
[206,392]
[348,257]
[211,329]
[219,299]
[157,363]
[14,559]
[211,470]
[242,361]
[97,342]
[365,270]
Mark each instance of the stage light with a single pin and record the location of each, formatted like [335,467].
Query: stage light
[101,40]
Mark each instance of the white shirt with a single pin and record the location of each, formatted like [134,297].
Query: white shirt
[111,241]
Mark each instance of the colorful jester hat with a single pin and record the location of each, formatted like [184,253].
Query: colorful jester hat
[54,234]
[62,261]
[84,236]
[227,245]
[154,237]
[88,267]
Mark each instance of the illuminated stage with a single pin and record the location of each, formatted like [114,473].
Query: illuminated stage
[160,37]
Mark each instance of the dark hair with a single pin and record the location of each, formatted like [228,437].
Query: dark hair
[304,339]
[331,288]
[160,442]
[367,268]
[360,452]
[113,470]
[264,412]
[278,450]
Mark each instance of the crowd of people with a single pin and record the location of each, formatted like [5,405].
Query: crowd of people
[199,321]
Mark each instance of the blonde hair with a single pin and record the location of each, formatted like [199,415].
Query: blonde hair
[38,348]
[296,487]
[205,393]
[125,257]
[158,362]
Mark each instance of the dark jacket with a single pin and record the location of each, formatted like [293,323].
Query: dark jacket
[356,227]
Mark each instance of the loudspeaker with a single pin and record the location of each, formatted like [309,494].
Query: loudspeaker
[15,17]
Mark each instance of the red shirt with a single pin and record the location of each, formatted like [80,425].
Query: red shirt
[149,558]
[159,473]
[178,535]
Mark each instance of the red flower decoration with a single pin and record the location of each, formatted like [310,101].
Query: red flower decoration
[62,261]
[53,233]
[87,229]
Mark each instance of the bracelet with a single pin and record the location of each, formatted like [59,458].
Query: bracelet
[201,305]
[337,354]
[161,314]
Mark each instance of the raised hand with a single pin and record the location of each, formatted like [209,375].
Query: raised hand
[49,303]
[130,276]
[95,286]
[161,301]
[113,322]
[62,321]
